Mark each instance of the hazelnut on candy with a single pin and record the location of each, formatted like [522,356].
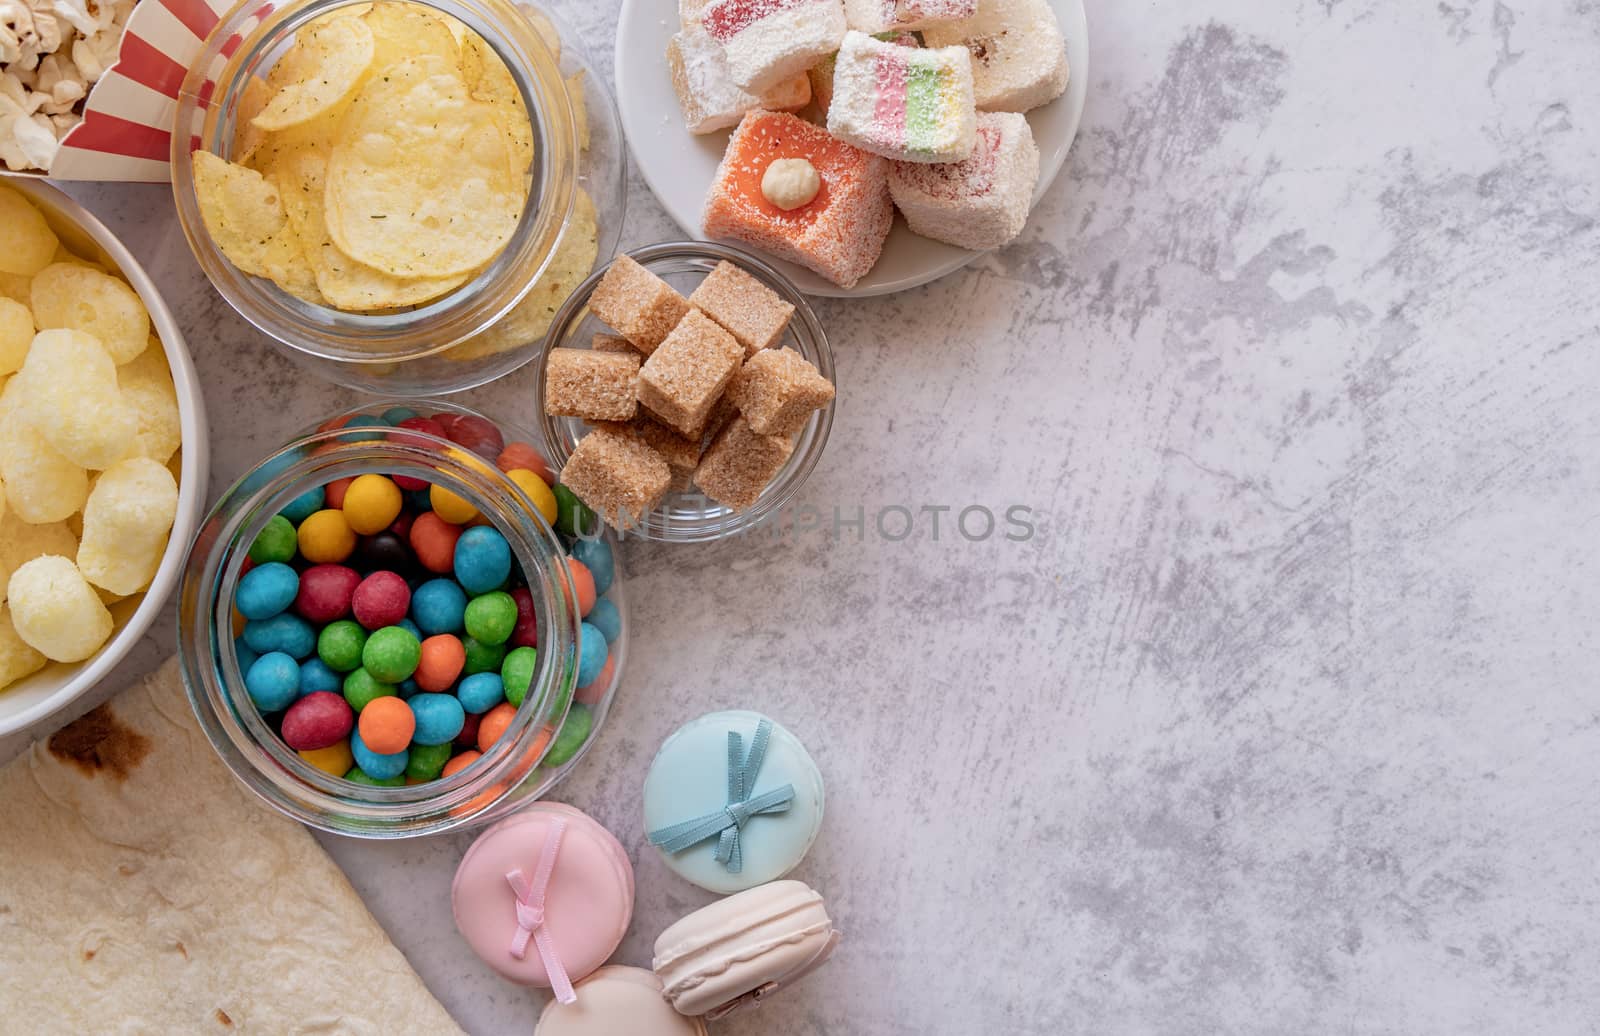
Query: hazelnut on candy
[790,183]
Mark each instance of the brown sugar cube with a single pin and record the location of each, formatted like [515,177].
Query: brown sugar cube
[740,463]
[682,455]
[594,386]
[688,371]
[617,475]
[612,344]
[637,303]
[750,310]
[777,390]
[722,411]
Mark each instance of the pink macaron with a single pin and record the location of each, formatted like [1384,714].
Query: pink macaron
[544,896]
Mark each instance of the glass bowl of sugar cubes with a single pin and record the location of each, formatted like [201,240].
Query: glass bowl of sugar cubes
[687,392]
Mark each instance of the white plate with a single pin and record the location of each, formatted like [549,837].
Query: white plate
[680,166]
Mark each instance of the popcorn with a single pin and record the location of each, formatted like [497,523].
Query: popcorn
[125,525]
[17,659]
[41,485]
[55,610]
[69,395]
[52,52]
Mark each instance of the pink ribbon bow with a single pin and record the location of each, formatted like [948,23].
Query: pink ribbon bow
[530,914]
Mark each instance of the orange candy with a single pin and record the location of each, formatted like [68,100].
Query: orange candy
[460,761]
[443,657]
[387,725]
[519,455]
[583,581]
[335,492]
[591,692]
[494,723]
[433,540]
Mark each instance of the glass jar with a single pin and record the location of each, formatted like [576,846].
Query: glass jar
[691,517]
[513,768]
[475,333]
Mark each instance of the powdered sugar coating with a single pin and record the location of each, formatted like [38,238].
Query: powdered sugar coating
[911,105]
[840,234]
[979,203]
[768,41]
[707,95]
[883,15]
[1019,57]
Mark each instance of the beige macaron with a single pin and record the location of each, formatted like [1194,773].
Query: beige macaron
[617,1001]
[739,950]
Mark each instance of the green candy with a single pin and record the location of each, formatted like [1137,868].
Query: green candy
[340,644]
[391,654]
[573,516]
[481,657]
[277,542]
[427,761]
[360,688]
[359,776]
[516,673]
[491,617]
[574,732]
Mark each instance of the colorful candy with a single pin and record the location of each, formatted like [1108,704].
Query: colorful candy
[318,720]
[906,103]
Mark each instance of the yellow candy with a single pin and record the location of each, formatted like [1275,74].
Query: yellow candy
[537,491]
[335,759]
[21,543]
[125,525]
[146,383]
[450,506]
[371,504]
[16,334]
[71,398]
[326,538]
[42,486]
[17,659]
[55,610]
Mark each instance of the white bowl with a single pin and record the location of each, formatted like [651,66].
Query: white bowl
[58,684]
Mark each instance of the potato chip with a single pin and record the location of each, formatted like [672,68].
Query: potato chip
[419,183]
[489,80]
[247,136]
[528,321]
[67,295]
[16,334]
[402,30]
[26,240]
[244,215]
[146,386]
[580,108]
[546,30]
[322,68]
[344,282]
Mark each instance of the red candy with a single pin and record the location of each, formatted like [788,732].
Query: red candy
[318,720]
[526,633]
[382,599]
[402,524]
[335,493]
[325,593]
[468,738]
[519,456]
[428,425]
[476,434]
[434,540]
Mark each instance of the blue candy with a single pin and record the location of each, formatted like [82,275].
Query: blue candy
[596,557]
[395,414]
[266,590]
[316,676]
[305,505]
[483,559]
[419,500]
[245,656]
[591,654]
[481,692]
[439,606]
[411,628]
[440,718]
[364,421]
[605,618]
[273,681]
[375,765]
[407,687]
[284,632]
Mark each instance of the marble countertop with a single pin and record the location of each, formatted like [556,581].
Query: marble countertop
[1282,719]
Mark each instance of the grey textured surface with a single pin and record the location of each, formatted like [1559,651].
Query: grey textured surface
[1284,720]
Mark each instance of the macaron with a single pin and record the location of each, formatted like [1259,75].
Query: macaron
[584,910]
[740,950]
[617,1001]
[717,843]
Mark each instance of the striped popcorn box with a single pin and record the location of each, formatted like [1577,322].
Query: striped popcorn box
[911,105]
[126,130]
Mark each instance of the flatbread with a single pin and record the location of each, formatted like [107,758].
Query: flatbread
[142,889]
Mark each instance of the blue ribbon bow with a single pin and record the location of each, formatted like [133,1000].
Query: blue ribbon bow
[725,823]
